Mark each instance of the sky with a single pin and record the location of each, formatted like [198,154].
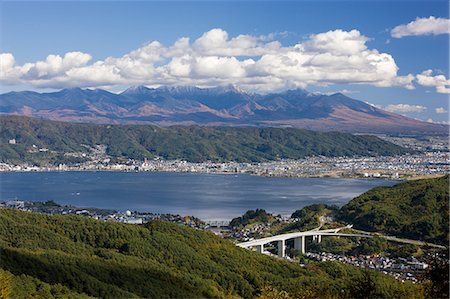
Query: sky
[391,54]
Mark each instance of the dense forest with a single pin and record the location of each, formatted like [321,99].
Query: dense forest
[415,209]
[191,143]
[65,256]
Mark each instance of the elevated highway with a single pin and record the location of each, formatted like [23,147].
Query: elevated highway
[317,234]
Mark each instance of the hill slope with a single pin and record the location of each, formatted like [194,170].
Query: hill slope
[225,106]
[415,209]
[162,260]
[192,143]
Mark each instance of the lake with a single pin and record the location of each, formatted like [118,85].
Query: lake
[207,196]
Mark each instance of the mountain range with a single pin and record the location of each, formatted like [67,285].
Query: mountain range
[220,106]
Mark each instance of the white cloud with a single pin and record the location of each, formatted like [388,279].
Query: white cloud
[405,108]
[55,65]
[440,110]
[374,105]
[255,63]
[422,26]
[8,73]
[444,122]
[216,42]
[441,84]
[338,42]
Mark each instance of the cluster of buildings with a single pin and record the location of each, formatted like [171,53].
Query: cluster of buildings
[433,159]
[258,230]
[404,269]
[254,232]
[419,143]
[392,167]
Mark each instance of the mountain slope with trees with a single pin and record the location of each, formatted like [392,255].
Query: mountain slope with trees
[415,209]
[191,143]
[163,260]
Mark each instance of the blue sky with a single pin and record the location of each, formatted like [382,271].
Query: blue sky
[30,31]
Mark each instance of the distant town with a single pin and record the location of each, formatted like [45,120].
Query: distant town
[432,158]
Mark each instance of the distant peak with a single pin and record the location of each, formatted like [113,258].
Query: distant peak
[227,88]
[72,89]
[298,91]
[136,89]
[178,89]
[194,89]
[338,94]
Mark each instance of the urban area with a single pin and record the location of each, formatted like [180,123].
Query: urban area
[432,158]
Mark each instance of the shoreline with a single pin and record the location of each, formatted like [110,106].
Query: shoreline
[398,168]
[406,177]
[325,176]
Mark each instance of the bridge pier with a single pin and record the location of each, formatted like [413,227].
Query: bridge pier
[281,248]
[260,248]
[299,244]
[319,238]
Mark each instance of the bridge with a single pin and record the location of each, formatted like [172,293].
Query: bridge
[218,223]
[317,234]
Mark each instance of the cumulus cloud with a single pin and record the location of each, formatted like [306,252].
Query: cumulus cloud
[8,73]
[422,26]
[338,42]
[441,84]
[440,110]
[405,108]
[217,42]
[255,63]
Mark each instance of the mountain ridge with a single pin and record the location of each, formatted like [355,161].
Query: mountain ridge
[218,106]
[416,209]
[190,143]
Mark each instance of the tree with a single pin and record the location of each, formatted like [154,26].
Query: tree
[373,245]
[437,277]
[364,286]
[5,284]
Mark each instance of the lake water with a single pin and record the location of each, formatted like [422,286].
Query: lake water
[207,196]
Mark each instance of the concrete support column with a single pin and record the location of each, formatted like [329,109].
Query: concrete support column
[299,244]
[259,248]
[314,238]
[319,238]
[281,248]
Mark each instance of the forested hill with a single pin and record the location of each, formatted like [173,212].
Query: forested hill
[65,256]
[415,209]
[191,143]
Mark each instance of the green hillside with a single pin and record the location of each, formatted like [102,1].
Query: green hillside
[415,209]
[70,255]
[191,143]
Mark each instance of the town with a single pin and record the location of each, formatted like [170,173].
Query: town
[431,159]
[388,167]
[404,269]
